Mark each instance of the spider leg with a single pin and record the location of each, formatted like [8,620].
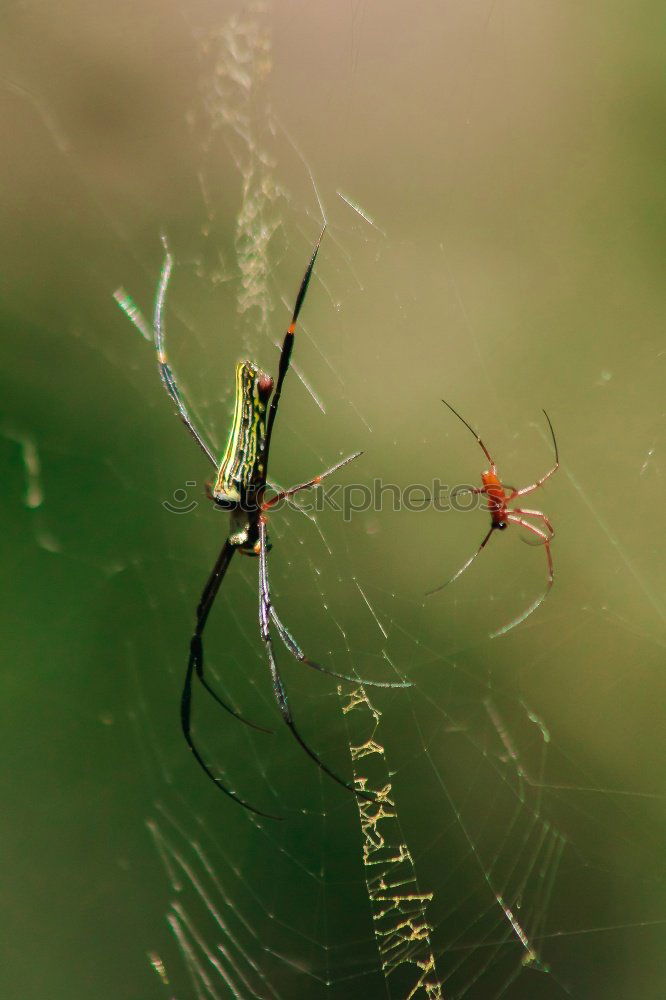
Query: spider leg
[279,691]
[185,707]
[287,347]
[514,519]
[285,494]
[463,567]
[468,489]
[166,374]
[196,665]
[284,633]
[196,661]
[298,654]
[526,490]
[471,429]
[533,487]
[534,513]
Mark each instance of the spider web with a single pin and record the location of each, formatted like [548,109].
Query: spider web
[516,846]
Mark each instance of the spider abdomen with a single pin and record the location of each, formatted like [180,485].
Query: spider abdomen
[241,467]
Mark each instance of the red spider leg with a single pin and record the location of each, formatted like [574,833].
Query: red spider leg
[463,567]
[526,490]
[470,489]
[477,491]
[535,604]
[485,451]
[534,513]
[285,494]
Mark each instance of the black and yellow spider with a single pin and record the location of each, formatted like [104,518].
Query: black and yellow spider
[240,487]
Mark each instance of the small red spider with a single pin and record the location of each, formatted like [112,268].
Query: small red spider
[501,516]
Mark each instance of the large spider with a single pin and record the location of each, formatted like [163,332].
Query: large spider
[240,487]
[502,515]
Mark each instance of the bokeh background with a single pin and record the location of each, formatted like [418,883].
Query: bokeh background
[507,159]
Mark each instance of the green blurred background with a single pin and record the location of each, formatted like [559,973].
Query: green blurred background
[510,155]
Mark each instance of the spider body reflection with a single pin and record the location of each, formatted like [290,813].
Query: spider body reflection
[240,487]
[499,498]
